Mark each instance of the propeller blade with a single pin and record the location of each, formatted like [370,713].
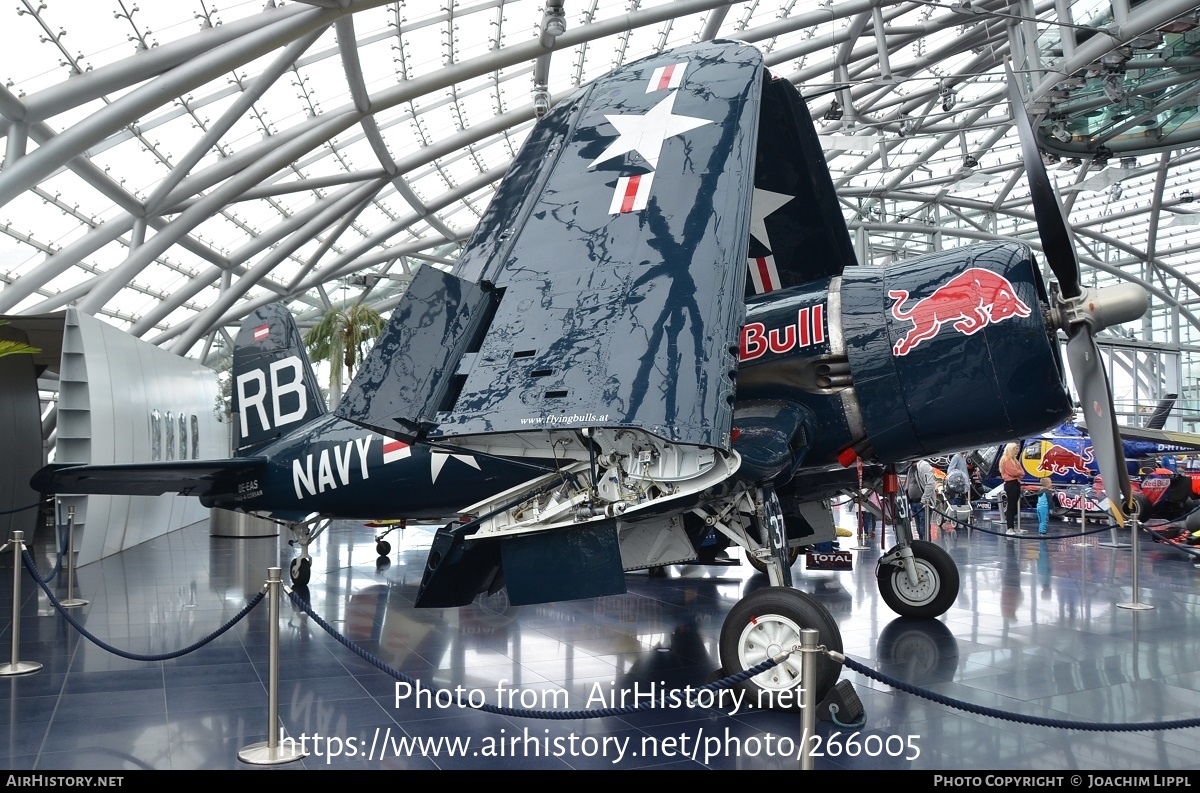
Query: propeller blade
[1091,383]
[1052,225]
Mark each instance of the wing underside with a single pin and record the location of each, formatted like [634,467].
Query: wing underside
[604,275]
[191,477]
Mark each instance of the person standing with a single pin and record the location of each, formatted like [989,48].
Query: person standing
[958,481]
[1011,472]
[1043,503]
[914,489]
[928,494]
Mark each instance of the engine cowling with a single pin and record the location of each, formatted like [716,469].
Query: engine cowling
[953,351]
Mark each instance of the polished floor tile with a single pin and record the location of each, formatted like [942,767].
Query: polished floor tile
[1042,629]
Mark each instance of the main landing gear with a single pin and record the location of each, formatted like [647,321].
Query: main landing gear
[917,579]
[765,623]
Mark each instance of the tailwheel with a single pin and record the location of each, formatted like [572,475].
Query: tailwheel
[765,623]
[383,548]
[935,588]
[301,570]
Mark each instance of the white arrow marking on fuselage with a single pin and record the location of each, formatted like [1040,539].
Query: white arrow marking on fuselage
[438,459]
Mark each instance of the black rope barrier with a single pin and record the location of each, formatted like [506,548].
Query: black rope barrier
[1037,721]
[20,509]
[33,571]
[1028,536]
[525,713]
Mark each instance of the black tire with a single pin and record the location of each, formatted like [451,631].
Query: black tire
[763,622]
[301,570]
[761,566]
[936,590]
[1192,522]
[383,548]
[1144,507]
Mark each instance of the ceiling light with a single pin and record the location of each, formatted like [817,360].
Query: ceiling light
[949,98]
[555,22]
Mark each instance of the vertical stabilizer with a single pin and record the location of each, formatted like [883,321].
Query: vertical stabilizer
[1158,419]
[274,387]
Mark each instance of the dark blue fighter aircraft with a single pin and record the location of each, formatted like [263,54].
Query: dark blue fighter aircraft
[658,335]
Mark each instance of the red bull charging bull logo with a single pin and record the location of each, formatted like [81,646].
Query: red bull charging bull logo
[969,302]
[1060,460]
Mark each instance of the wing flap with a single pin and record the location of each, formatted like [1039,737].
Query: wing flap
[413,368]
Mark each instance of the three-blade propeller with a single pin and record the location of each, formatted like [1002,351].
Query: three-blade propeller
[1081,313]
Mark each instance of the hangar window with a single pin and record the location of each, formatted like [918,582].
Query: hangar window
[170,444]
[183,437]
[155,436]
[195,437]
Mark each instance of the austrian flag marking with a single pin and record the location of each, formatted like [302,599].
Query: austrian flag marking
[262,332]
[665,77]
[763,274]
[394,450]
[631,194]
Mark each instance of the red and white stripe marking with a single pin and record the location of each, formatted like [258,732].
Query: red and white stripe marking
[763,274]
[394,450]
[631,194]
[665,77]
[262,332]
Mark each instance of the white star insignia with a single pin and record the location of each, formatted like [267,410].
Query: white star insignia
[438,459]
[645,133]
[763,205]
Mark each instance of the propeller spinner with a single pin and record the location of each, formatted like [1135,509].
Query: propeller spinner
[1081,312]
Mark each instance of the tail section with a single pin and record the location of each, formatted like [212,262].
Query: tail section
[274,387]
[1158,419]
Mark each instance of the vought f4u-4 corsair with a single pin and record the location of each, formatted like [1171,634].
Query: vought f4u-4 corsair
[658,332]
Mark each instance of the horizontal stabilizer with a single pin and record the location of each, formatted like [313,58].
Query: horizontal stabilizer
[189,478]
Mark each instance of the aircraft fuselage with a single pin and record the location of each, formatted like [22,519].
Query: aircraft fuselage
[331,466]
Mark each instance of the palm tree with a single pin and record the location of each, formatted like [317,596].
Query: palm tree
[342,337]
[16,347]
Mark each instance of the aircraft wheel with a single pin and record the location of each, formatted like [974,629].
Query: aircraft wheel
[383,548]
[763,623]
[301,570]
[936,589]
[761,566]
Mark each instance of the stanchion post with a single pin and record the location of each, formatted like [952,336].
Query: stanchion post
[271,751]
[71,601]
[1134,605]
[1082,522]
[16,666]
[808,708]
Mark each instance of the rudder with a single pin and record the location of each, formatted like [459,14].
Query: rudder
[274,387]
